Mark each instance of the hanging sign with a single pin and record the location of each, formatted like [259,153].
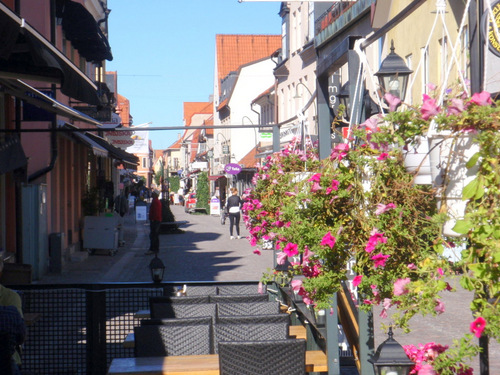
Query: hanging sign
[232,168]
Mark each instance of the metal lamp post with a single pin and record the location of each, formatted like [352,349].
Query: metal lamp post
[393,74]
[157,269]
[391,359]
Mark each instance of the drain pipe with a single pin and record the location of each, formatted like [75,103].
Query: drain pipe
[53,154]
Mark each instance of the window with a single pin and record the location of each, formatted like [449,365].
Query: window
[284,41]
[144,162]
[310,35]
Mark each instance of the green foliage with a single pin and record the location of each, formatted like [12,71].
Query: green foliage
[202,191]
[157,177]
[175,183]
[92,202]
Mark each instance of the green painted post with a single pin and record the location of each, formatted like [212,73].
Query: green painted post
[366,341]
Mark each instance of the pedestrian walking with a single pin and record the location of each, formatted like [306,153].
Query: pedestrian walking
[155,216]
[234,203]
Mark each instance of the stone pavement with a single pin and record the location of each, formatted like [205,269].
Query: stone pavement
[204,252]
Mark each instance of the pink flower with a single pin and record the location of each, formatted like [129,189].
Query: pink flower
[357,280]
[440,271]
[315,178]
[412,266]
[260,288]
[328,240]
[339,151]
[426,369]
[477,326]
[456,107]
[375,238]
[370,125]
[281,258]
[315,187]
[482,98]
[400,286]
[429,107]
[431,86]
[379,260]
[383,156]
[439,308]
[307,254]
[257,251]
[392,100]
[333,186]
[291,249]
[296,284]
[381,208]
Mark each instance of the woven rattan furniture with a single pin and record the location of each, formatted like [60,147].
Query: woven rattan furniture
[193,290]
[249,331]
[238,289]
[274,357]
[228,298]
[266,318]
[247,308]
[182,300]
[176,337]
[177,310]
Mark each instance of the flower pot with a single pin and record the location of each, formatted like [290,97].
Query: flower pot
[416,161]
[448,158]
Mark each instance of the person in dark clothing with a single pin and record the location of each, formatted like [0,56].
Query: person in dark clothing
[234,203]
[12,331]
[155,217]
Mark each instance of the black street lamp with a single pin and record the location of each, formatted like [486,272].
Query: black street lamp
[391,359]
[157,269]
[393,74]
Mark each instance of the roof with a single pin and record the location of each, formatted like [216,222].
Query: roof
[267,92]
[236,50]
[193,108]
[249,160]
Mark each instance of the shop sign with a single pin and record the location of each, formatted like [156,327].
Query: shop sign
[489,26]
[232,168]
[120,139]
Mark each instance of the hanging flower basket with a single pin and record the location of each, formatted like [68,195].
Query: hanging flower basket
[448,158]
[416,160]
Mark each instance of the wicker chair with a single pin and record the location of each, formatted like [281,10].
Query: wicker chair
[182,300]
[249,331]
[177,337]
[228,298]
[177,321]
[242,319]
[245,308]
[192,290]
[238,289]
[274,357]
[179,310]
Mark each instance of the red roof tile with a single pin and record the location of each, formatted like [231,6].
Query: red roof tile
[193,108]
[234,51]
[249,159]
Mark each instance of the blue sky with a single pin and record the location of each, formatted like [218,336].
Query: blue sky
[163,51]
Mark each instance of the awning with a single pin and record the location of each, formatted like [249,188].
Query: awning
[22,90]
[114,152]
[215,177]
[97,150]
[82,30]
[11,155]
[26,54]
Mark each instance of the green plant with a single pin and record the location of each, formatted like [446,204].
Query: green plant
[202,192]
[175,183]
